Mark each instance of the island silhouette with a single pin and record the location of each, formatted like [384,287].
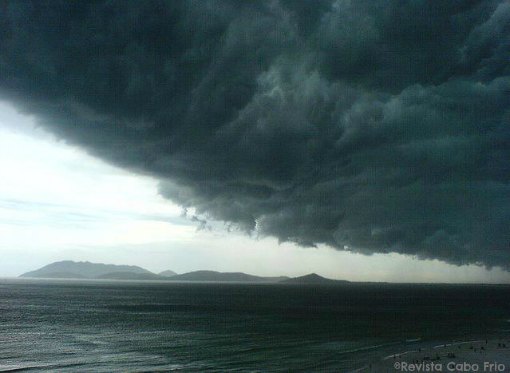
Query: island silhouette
[69,269]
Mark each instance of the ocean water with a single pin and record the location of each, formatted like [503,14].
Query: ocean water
[70,326]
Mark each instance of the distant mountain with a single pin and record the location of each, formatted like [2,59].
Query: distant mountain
[214,276]
[56,275]
[131,276]
[70,269]
[167,273]
[87,270]
[313,279]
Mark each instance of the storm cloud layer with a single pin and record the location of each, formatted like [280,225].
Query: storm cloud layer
[372,126]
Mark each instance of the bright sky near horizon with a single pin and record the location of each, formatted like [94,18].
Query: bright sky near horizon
[58,203]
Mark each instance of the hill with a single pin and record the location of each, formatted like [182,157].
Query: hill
[87,270]
[312,279]
[131,276]
[70,269]
[213,276]
[167,273]
[55,274]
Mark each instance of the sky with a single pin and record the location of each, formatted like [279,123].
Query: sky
[363,139]
[59,203]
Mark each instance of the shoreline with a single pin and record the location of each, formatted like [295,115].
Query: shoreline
[490,354]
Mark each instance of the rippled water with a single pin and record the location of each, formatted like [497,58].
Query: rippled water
[122,326]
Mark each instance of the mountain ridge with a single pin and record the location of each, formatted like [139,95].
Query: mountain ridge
[82,269]
[313,279]
[167,273]
[214,276]
[68,269]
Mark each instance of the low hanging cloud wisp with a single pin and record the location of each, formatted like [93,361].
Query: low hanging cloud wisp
[381,126]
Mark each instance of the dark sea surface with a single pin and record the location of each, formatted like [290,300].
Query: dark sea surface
[70,326]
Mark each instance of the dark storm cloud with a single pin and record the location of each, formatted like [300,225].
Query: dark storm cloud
[382,126]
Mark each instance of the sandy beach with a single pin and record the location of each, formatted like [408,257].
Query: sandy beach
[492,355]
